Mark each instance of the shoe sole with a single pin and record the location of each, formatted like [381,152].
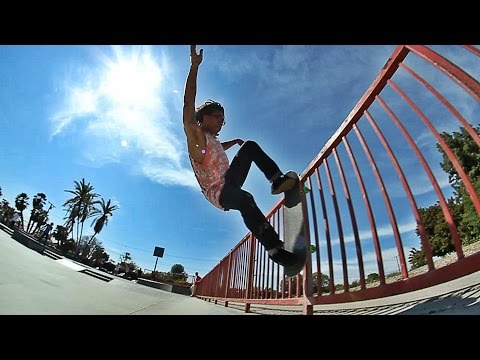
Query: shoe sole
[287,185]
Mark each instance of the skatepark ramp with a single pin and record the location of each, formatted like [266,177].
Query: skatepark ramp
[391,201]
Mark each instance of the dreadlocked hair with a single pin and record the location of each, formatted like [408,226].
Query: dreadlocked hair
[207,107]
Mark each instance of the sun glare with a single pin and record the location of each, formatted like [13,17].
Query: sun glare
[132,80]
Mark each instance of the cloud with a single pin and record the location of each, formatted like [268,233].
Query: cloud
[119,110]
[167,174]
[385,230]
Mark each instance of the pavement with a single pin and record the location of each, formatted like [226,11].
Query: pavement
[35,284]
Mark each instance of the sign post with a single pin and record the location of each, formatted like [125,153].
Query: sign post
[158,252]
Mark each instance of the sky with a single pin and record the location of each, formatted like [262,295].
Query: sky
[113,116]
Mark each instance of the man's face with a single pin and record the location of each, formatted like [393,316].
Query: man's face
[213,122]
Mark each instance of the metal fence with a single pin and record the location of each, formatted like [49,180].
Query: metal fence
[371,191]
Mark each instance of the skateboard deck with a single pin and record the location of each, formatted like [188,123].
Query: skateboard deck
[294,233]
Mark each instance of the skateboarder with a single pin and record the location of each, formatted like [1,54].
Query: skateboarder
[221,182]
[46,232]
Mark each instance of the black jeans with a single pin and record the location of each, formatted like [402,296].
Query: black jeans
[234,197]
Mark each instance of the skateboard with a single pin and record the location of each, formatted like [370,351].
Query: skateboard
[294,233]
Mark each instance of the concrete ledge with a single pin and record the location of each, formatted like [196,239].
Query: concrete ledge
[6,228]
[27,240]
[32,243]
[179,289]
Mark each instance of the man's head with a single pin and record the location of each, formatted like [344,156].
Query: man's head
[196,273]
[210,116]
[207,108]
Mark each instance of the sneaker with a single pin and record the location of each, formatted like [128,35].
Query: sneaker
[284,183]
[283,257]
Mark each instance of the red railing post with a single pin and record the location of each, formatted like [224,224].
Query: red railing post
[251,263]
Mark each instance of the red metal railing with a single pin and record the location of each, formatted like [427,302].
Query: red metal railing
[364,191]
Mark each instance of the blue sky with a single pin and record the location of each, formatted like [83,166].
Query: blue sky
[113,115]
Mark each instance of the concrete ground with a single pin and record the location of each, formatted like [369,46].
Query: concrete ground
[34,284]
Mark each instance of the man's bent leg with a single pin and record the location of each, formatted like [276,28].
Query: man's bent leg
[250,152]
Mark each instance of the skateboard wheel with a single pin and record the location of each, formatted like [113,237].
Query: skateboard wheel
[311,249]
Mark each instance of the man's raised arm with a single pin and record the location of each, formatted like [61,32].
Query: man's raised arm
[191,88]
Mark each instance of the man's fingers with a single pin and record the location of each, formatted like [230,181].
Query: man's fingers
[193,49]
[201,52]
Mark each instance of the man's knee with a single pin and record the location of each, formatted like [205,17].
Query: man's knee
[236,198]
[250,146]
[246,200]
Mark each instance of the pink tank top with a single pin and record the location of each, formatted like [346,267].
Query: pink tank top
[211,172]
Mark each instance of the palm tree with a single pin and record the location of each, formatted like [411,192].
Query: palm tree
[6,211]
[21,203]
[80,207]
[38,201]
[102,219]
[41,218]
[72,214]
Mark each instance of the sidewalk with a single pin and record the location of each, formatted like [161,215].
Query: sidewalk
[457,297]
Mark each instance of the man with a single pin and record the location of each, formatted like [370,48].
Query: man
[46,232]
[196,280]
[220,182]
[15,218]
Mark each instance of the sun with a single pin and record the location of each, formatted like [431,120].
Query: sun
[132,79]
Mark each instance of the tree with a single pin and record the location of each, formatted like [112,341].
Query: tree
[6,211]
[372,277]
[99,256]
[67,246]
[416,258]
[102,219]
[177,269]
[21,203]
[468,154]
[41,218]
[60,234]
[437,229]
[87,246]
[325,282]
[466,151]
[80,207]
[38,202]
[469,226]
[460,205]
[178,273]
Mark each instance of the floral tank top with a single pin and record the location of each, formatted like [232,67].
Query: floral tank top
[211,172]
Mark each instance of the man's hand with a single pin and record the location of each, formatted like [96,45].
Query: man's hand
[195,58]
[228,144]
